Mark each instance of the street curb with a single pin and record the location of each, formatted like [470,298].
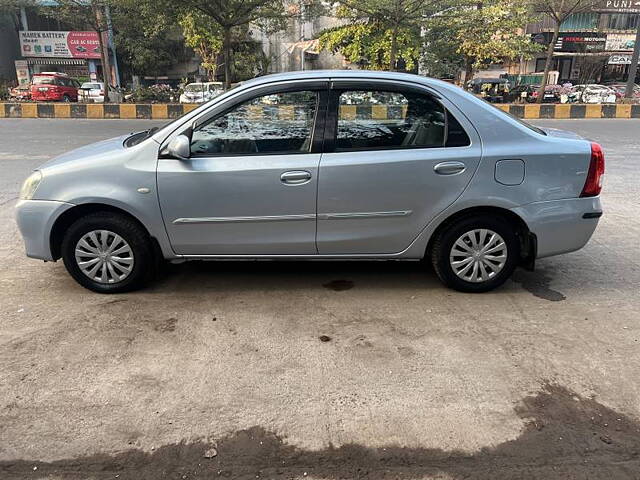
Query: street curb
[145,111]
[161,111]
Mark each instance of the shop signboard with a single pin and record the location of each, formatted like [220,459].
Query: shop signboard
[619,59]
[620,42]
[575,42]
[48,44]
[617,6]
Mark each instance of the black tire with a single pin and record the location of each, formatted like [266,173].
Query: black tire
[132,232]
[66,98]
[444,243]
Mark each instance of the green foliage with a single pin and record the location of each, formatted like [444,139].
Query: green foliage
[147,40]
[470,34]
[205,36]
[368,44]
[378,32]
[153,94]
[493,33]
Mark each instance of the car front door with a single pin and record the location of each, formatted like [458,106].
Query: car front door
[250,184]
[395,157]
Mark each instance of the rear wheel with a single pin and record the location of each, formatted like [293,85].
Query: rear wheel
[108,253]
[476,254]
[66,98]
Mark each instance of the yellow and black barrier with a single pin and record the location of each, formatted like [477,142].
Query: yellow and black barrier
[169,111]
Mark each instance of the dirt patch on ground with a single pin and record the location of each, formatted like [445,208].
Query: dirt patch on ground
[566,436]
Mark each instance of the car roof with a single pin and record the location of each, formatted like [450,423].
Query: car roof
[350,75]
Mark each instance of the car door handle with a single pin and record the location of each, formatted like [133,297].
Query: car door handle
[449,168]
[295,177]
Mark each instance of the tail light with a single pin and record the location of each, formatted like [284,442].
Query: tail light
[534,93]
[593,184]
[101,92]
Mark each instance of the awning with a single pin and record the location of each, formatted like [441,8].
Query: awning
[56,61]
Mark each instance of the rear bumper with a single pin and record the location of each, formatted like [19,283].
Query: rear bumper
[35,220]
[561,226]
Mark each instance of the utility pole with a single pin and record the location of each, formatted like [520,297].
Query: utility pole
[633,68]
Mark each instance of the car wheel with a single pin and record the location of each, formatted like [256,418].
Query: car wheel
[108,253]
[66,98]
[476,254]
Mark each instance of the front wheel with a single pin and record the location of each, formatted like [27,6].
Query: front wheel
[108,253]
[476,254]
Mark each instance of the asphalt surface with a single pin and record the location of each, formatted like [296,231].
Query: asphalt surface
[322,370]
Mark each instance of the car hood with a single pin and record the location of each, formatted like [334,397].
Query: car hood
[556,132]
[88,152]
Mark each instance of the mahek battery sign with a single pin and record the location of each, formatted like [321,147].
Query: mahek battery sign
[34,43]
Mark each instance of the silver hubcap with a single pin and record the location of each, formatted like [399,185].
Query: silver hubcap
[104,256]
[478,255]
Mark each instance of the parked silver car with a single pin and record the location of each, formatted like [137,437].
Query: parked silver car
[320,165]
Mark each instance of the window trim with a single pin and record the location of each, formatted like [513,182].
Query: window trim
[337,88]
[317,128]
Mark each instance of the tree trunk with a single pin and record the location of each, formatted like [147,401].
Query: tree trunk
[468,71]
[226,47]
[547,63]
[393,53]
[104,54]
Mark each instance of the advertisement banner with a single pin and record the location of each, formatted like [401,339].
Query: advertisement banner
[621,42]
[35,43]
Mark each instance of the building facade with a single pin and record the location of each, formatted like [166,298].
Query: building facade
[592,47]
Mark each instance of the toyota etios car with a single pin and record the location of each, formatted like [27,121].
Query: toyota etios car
[320,165]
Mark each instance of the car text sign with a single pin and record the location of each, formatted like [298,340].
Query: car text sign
[38,43]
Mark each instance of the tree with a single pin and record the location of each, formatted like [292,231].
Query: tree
[205,36]
[557,11]
[380,29]
[148,40]
[83,14]
[368,44]
[484,32]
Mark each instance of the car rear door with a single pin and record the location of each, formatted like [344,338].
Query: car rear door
[250,185]
[395,156]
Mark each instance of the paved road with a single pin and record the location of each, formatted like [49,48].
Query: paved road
[536,380]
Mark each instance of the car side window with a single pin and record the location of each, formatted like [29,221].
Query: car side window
[276,123]
[375,119]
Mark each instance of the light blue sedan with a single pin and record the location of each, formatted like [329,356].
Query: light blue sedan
[320,165]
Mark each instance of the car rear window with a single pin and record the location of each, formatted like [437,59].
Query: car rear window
[519,120]
[93,86]
[44,81]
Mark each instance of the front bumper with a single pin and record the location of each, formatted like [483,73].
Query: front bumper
[561,226]
[35,220]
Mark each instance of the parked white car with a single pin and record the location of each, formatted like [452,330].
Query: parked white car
[94,92]
[201,92]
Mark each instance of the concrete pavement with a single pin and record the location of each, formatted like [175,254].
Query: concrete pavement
[535,380]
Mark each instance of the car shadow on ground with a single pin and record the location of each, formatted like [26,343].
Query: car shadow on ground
[332,275]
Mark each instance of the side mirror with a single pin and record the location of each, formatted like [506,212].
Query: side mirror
[180,148]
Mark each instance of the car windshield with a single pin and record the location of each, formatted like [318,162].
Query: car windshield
[44,81]
[195,87]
